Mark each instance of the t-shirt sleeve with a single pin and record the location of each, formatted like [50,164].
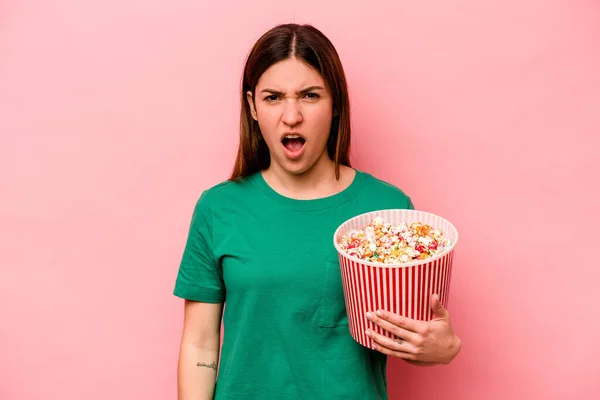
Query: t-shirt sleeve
[410,204]
[200,277]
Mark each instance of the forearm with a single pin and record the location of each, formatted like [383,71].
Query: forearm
[197,372]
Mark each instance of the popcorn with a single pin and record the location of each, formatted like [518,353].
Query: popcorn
[383,242]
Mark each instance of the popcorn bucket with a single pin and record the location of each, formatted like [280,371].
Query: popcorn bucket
[403,289]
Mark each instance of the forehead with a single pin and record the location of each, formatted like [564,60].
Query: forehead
[290,74]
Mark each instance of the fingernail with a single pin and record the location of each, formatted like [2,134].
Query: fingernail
[369,315]
[379,313]
[368,332]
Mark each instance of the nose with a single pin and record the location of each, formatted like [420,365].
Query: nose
[291,113]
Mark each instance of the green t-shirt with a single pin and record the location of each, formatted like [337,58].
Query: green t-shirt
[272,260]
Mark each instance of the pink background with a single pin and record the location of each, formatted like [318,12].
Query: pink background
[114,115]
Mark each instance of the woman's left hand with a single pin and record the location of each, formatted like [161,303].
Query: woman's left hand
[422,342]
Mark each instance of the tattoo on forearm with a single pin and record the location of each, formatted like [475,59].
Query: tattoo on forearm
[213,365]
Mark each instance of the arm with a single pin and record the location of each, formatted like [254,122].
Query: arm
[199,351]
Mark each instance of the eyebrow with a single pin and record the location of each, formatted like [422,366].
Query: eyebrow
[303,91]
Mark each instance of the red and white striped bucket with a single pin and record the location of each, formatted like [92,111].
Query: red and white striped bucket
[403,289]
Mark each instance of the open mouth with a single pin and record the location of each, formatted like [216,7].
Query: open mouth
[293,143]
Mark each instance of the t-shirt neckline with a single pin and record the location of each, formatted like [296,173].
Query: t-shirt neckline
[313,204]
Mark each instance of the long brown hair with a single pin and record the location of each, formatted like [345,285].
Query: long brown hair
[308,44]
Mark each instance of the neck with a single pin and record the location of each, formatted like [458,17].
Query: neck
[318,181]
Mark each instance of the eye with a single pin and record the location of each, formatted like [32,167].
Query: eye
[272,98]
[312,96]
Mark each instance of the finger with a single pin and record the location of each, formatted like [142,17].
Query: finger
[396,330]
[394,353]
[438,309]
[400,322]
[398,344]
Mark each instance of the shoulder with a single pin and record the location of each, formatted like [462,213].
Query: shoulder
[224,191]
[385,190]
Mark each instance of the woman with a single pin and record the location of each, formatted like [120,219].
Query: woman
[261,242]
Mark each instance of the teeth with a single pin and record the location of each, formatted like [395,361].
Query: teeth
[292,136]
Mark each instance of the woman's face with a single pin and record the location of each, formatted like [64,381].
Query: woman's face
[293,108]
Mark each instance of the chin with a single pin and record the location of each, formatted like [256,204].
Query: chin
[295,168]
